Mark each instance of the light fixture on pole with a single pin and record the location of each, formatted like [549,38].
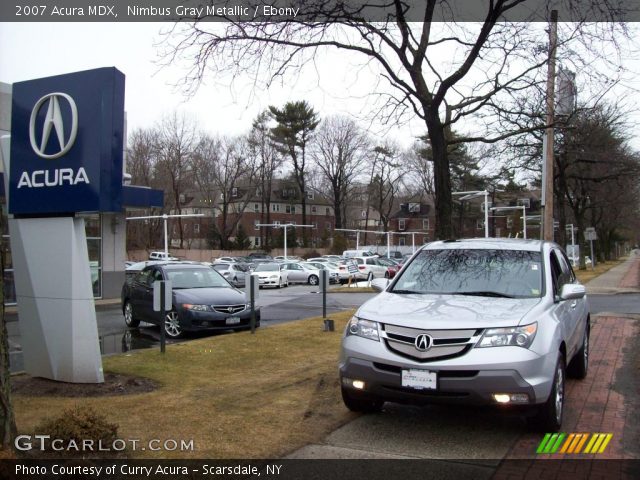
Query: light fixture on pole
[164,218]
[524,216]
[286,227]
[477,193]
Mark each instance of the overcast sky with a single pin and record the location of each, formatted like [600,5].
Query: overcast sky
[42,49]
[33,50]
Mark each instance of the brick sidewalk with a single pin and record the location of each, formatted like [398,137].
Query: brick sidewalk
[606,401]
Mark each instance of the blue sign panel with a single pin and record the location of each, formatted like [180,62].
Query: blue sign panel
[66,144]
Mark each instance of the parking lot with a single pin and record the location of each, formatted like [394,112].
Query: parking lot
[484,443]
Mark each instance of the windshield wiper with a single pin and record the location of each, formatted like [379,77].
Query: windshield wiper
[486,293]
[404,291]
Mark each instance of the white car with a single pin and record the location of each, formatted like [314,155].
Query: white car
[301,273]
[332,268]
[369,266]
[271,275]
[161,256]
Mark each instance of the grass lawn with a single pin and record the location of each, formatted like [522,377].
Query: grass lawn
[237,395]
[587,275]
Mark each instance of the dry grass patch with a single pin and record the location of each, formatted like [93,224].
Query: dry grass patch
[587,275]
[352,290]
[236,396]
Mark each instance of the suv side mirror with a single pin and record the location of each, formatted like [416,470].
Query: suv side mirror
[379,284]
[572,291]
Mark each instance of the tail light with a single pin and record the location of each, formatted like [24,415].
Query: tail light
[361,267]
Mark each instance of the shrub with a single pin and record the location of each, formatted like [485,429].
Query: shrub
[79,424]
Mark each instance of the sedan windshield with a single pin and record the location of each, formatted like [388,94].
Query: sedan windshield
[494,273]
[195,278]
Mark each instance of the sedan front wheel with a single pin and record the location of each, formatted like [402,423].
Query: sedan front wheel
[172,325]
[128,316]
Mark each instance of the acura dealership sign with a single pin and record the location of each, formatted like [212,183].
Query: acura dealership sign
[66,144]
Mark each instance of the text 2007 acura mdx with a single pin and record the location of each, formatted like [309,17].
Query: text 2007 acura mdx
[483,321]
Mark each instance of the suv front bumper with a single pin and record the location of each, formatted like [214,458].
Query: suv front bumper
[470,379]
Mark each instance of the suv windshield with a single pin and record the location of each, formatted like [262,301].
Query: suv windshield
[195,278]
[508,273]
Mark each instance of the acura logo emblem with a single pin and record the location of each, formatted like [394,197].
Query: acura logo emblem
[423,342]
[53,121]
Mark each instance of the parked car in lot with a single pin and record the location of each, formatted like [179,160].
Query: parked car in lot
[357,253]
[370,267]
[392,267]
[271,274]
[288,258]
[233,272]
[485,321]
[255,257]
[227,260]
[201,300]
[332,268]
[161,256]
[301,273]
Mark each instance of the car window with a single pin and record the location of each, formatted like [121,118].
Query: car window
[144,277]
[196,278]
[562,270]
[567,264]
[510,273]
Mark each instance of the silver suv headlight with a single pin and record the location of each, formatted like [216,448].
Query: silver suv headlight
[509,336]
[363,328]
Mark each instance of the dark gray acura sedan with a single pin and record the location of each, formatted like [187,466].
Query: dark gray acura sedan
[202,300]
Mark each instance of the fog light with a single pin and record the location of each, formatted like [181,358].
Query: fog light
[511,397]
[501,397]
[350,382]
[359,384]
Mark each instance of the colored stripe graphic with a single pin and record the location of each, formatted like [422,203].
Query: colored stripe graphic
[573,443]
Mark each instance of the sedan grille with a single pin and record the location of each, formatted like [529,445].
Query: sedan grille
[442,344]
[230,309]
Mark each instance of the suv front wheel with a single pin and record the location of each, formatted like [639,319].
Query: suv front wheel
[549,415]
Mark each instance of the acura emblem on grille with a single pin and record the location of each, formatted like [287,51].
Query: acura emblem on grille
[230,309]
[423,342]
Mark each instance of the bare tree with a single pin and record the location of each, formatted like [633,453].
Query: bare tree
[177,139]
[268,160]
[142,161]
[483,72]
[339,155]
[224,167]
[386,182]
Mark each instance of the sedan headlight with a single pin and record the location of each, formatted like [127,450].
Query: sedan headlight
[363,328]
[195,308]
[273,276]
[509,337]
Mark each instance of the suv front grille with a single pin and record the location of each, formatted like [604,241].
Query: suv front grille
[444,344]
[228,308]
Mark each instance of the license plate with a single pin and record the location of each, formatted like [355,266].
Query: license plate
[419,379]
[233,320]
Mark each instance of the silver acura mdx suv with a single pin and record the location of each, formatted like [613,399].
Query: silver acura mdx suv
[481,321]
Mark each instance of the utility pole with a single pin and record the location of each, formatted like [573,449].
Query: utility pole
[548,160]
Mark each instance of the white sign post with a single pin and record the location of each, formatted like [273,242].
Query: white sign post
[162,302]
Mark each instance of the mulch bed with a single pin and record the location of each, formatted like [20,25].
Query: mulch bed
[114,384]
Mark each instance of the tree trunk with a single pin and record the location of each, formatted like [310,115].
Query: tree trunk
[6,407]
[442,179]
